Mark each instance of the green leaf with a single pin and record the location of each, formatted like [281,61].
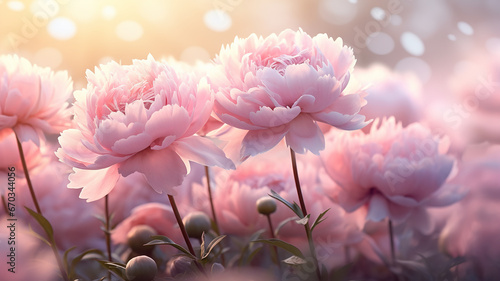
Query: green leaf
[44,223]
[163,240]
[304,220]
[281,224]
[294,260]
[65,258]
[319,219]
[212,244]
[32,232]
[116,268]
[78,258]
[293,206]
[283,245]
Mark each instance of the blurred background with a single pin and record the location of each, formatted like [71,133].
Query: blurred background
[431,38]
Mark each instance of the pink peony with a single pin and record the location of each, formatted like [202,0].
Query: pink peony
[396,172]
[33,100]
[158,216]
[138,118]
[391,94]
[472,229]
[281,86]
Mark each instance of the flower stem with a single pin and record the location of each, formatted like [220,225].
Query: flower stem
[214,216]
[27,176]
[275,249]
[51,238]
[107,231]
[391,236]
[312,249]
[183,231]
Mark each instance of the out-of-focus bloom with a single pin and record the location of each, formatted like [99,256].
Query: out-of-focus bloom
[138,118]
[160,217]
[472,228]
[30,257]
[73,220]
[281,86]
[396,172]
[33,100]
[238,191]
[390,94]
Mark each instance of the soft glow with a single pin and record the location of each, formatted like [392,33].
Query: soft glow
[380,43]
[61,28]
[194,54]
[129,30]
[465,28]
[416,66]
[217,20]
[412,44]
[396,20]
[336,12]
[452,37]
[108,12]
[493,45]
[48,57]
[378,13]
[15,5]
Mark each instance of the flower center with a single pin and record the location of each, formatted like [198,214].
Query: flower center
[280,63]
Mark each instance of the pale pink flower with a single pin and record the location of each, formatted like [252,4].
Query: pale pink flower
[390,94]
[281,86]
[472,229]
[396,172]
[156,215]
[33,100]
[138,118]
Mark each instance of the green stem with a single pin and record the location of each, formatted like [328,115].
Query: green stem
[184,232]
[391,236]
[37,207]
[107,231]
[214,216]
[275,249]
[312,249]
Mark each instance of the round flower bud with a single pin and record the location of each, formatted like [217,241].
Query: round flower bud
[141,268]
[196,223]
[179,265]
[138,236]
[266,205]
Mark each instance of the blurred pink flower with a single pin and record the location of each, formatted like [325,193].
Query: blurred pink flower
[31,256]
[472,229]
[156,215]
[390,94]
[138,118]
[281,86]
[396,172]
[33,100]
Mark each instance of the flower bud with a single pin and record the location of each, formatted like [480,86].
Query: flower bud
[138,236]
[141,268]
[178,265]
[196,223]
[266,205]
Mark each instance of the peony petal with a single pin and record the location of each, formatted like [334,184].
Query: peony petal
[202,151]
[267,117]
[95,183]
[259,141]
[163,169]
[304,134]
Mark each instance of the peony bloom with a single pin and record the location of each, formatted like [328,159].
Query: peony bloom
[138,118]
[158,216]
[391,94]
[396,172]
[281,86]
[472,228]
[33,100]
